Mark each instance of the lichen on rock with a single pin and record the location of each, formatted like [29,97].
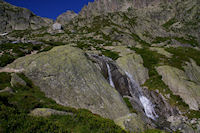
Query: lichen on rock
[181,85]
[67,76]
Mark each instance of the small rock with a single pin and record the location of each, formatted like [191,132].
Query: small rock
[57,26]
[192,121]
[7,89]
[48,112]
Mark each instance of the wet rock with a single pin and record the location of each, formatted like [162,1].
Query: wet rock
[133,64]
[118,76]
[178,124]
[162,107]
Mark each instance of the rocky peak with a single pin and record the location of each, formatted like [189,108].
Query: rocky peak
[103,6]
[66,17]
[17,18]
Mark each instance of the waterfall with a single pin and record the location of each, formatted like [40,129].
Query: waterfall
[146,103]
[110,76]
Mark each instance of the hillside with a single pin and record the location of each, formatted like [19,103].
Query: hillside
[117,66]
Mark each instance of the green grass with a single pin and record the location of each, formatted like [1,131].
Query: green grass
[129,105]
[82,45]
[138,39]
[181,55]
[20,33]
[154,131]
[4,80]
[193,114]
[5,59]
[161,39]
[183,40]
[111,54]
[13,51]
[169,23]
[191,40]
[15,118]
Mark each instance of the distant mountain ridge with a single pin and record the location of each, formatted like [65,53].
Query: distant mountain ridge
[104,6]
[17,18]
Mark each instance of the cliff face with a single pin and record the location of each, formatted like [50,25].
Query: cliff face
[104,6]
[16,18]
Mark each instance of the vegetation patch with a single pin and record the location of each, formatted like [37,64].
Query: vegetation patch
[154,131]
[15,118]
[129,105]
[111,54]
[191,40]
[12,51]
[169,23]
[181,55]
[138,39]
[183,40]
[161,39]
[4,80]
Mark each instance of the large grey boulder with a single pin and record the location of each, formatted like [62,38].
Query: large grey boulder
[182,85]
[67,76]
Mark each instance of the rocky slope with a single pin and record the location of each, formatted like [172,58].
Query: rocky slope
[142,53]
[66,17]
[16,18]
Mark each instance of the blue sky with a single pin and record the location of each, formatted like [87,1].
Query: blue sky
[50,8]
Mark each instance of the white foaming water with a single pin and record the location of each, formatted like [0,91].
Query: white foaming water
[148,107]
[146,103]
[110,76]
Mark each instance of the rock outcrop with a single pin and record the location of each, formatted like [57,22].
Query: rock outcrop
[133,64]
[15,79]
[192,71]
[67,76]
[105,6]
[182,85]
[66,17]
[17,18]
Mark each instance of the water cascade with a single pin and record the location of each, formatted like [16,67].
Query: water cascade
[110,76]
[148,106]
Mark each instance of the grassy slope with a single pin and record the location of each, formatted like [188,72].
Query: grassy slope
[14,110]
